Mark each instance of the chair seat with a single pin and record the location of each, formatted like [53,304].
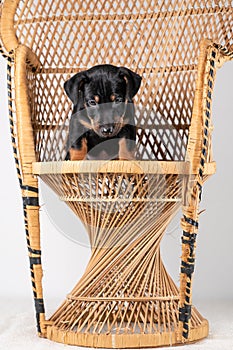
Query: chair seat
[118,166]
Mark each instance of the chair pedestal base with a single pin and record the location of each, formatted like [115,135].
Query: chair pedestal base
[125,340]
[125,298]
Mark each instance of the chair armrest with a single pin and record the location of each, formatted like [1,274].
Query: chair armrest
[211,57]
[26,64]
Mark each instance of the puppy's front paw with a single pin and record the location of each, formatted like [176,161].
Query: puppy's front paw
[79,153]
[126,151]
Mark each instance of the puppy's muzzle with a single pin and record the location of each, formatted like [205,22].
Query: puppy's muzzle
[103,125]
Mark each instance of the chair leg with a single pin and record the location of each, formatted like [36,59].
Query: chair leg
[32,229]
[189,225]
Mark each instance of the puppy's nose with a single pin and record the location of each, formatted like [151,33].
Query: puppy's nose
[107,130]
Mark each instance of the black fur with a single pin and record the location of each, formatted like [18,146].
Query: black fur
[103,111]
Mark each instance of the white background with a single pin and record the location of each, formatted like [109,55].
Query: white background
[64,260]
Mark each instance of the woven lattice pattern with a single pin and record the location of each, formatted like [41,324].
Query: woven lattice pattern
[151,34]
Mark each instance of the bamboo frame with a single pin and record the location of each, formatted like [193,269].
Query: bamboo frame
[125,298]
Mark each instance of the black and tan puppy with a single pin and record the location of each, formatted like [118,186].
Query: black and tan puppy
[102,124]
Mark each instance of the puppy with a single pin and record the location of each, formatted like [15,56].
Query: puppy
[102,124]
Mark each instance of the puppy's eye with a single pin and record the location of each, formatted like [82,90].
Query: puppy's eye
[118,100]
[91,103]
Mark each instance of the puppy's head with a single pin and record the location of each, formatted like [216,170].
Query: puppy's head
[101,97]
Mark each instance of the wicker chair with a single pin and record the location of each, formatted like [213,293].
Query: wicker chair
[125,298]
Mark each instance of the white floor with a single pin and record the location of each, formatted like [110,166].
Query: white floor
[17,327]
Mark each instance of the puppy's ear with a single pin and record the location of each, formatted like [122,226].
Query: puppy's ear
[74,85]
[133,81]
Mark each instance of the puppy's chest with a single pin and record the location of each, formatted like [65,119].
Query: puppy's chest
[102,148]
